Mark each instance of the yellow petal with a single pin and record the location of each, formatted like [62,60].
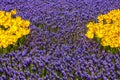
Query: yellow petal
[89,35]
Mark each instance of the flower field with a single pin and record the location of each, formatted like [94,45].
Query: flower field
[59,39]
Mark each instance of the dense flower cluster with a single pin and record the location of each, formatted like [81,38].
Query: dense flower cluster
[57,48]
[107,29]
[12,28]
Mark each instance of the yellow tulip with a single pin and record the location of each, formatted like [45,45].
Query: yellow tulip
[14,11]
[16,28]
[90,34]
[107,28]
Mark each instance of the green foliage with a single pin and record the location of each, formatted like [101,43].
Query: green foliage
[40,25]
[13,47]
[43,72]
[107,48]
[3,28]
[58,73]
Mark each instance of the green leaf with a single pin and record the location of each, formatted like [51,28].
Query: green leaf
[43,72]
